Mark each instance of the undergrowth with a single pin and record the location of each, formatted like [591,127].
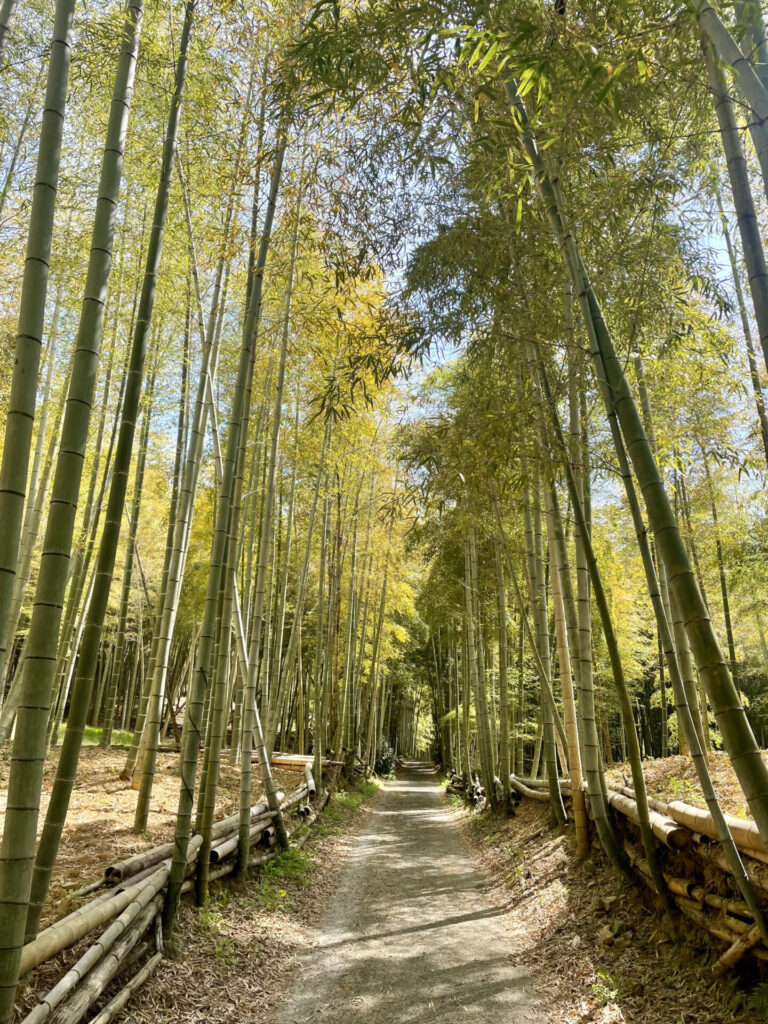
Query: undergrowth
[290,867]
[92,737]
[294,869]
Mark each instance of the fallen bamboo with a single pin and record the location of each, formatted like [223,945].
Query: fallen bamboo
[260,858]
[75,926]
[96,952]
[312,788]
[228,844]
[296,762]
[669,832]
[737,950]
[86,890]
[75,1007]
[565,784]
[653,803]
[745,834]
[757,872]
[295,797]
[140,861]
[702,896]
[532,794]
[128,902]
[714,927]
[117,1003]
[308,823]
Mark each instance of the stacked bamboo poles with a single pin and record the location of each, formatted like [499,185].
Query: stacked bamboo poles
[681,827]
[130,904]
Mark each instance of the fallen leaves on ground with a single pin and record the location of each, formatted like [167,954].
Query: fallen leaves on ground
[597,953]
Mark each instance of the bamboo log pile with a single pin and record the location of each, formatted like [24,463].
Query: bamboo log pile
[129,901]
[297,762]
[531,793]
[697,876]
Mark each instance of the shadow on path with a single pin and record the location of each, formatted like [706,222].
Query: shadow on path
[409,936]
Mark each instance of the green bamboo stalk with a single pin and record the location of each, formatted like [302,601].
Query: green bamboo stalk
[180,519]
[720,563]
[754,375]
[478,680]
[574,734]
[37,487]
[754,90]
[258,641]
[535,555]
[130,549]
[734,726]
[684,710]
[617,669]
[318,722]
[196,696]
[34,287]
[7,12]
[20,896]
[105,563]
[505,761]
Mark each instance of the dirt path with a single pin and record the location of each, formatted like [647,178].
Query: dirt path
[409,936]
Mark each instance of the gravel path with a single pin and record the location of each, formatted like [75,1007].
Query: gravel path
[409,935]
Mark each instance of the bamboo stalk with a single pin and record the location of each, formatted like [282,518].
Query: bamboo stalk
[67,932]
[737,950]
[745,833]
[533,794]
[669,832]
[227,845]
[74,1008]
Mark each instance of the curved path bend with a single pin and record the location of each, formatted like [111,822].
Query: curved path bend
[409,936]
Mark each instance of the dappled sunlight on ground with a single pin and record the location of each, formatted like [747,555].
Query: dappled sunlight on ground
[556,908]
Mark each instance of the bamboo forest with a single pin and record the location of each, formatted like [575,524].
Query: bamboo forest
[383,511]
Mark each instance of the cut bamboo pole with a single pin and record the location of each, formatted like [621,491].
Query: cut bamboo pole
[75,1007]
[757,872]
[97,951]
[131,865]
[224,847]
[565,784]
[116,1004]
[745,833]
[532,794]
[75,926]
[668,831]
[737,950]
[716,928]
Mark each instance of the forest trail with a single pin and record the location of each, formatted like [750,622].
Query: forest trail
[409,935]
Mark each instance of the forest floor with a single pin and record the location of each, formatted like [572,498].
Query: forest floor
[556,907]
[396,911]
[99,829]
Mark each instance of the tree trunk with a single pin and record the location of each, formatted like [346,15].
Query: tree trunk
[21,898]
[104,569]
[34,287]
